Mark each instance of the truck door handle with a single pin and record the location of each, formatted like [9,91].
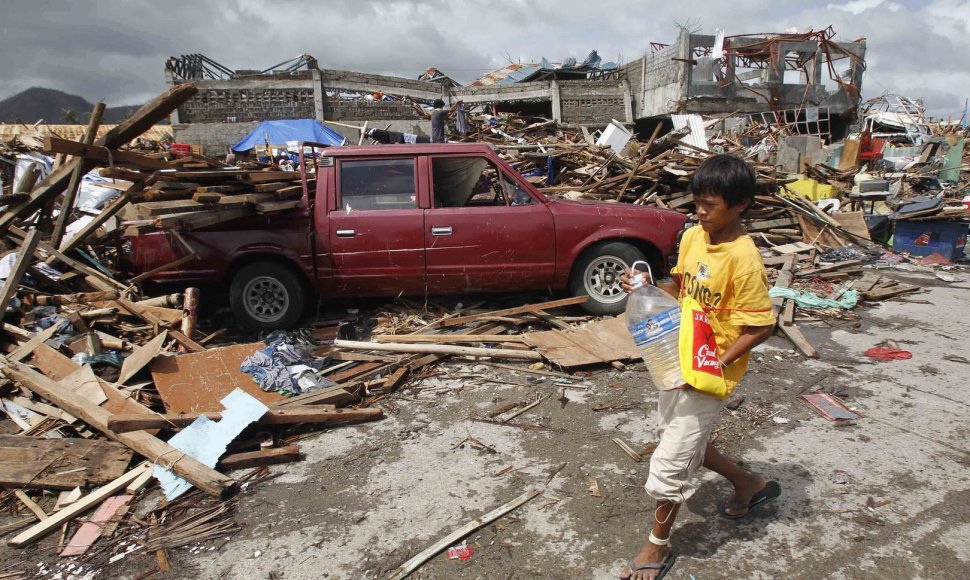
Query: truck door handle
[346,233]
[445,231]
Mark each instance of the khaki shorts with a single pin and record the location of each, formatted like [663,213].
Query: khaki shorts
[687,418]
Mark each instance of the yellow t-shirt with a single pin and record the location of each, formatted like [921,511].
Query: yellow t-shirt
[730,281]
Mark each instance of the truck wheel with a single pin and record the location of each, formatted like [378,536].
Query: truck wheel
[267,296]
[596,274]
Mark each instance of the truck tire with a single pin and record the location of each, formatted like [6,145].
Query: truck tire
[596,274]
[267,296]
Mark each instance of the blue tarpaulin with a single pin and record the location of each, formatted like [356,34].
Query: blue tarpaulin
[279,132]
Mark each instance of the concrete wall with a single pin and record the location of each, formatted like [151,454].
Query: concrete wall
[662,80]
[213,137]
[316,94]
[594,102]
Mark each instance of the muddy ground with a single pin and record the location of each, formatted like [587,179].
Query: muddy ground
[887,496]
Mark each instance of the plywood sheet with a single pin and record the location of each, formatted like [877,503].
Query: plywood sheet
[854,222]
[603,341]
[39,463]
[196,382]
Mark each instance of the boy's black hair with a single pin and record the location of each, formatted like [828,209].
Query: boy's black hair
[726,176]
[438,104]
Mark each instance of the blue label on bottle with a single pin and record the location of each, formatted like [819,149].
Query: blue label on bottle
[656,327]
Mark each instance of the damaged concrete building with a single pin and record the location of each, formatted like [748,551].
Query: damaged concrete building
[806,81]
[230,103]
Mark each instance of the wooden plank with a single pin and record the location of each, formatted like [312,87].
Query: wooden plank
[267,176]
[438,349]
[141,357]
[91,529]
[97,278]
[107,213]
[142,312]
[782,281]
[770,224]
[31,505]
[196,382]
[261,457]
[853,222]
[228,202]
[447,338]
[199,219]
[41,463]
[414,563]
[793,248]
[118,156]
[24,350]
[337,396]
[86,503]
[517,310]
[844,265]
[799,340]
[292,415]
[86,384]
[164,268]
[70,194]
[143,443]
[603,341]
[25,255]
[206,197]
[276,206]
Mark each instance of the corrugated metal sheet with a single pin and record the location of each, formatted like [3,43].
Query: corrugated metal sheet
[507,75]
[697,137]
[74,132]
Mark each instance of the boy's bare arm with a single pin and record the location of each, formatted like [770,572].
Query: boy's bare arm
[750,337]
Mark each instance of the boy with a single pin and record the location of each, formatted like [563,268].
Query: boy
[720,267]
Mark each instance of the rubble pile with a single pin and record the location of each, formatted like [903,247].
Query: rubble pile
[98,375]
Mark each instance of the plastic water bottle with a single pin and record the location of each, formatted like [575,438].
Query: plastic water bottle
[653,317]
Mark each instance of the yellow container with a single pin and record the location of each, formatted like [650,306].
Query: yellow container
[812,189]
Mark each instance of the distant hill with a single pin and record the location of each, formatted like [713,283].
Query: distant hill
[55,107]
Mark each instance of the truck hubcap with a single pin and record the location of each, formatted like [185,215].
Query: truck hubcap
[265,299]
[602,279]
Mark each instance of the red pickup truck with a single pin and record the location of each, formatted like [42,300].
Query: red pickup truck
[392,220]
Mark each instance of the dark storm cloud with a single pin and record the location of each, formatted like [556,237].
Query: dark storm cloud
[116,50]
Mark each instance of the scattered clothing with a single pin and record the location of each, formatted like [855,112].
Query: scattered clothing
[281,366]
[810,300]
[392,137]
[461,120]
[888,354]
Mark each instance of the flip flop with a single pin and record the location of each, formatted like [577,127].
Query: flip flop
[770,491]
[664,566]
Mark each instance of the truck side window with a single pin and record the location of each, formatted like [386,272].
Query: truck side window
[515,193]
[377,184]
[466,182]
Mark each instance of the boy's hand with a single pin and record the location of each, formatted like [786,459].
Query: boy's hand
[626,280]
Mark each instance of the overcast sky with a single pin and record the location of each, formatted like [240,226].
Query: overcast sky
[115,51]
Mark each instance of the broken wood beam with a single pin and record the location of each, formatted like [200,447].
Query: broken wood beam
[517,310]
[42,528]
[70,194]
[292,415]
[104,215]
[25,255]
[112,156]
[414,563]
[261,457]
[159,452]
[439,349]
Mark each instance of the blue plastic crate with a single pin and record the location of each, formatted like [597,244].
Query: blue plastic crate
[924,238]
